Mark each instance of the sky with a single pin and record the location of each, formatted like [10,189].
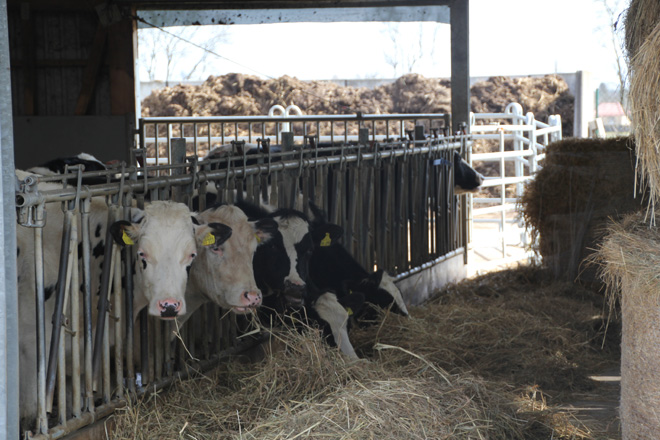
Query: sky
[507,37]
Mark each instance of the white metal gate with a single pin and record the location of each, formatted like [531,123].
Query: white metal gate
[517,140]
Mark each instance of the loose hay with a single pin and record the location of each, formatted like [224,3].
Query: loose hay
[630,257]
[308,390]
[643,45]
[583,185]
[518,327]
[474,363]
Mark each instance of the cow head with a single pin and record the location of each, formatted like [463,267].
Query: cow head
[380,291]
[466,178]
[223,271]
[163,239]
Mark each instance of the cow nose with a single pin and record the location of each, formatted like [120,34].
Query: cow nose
[169,308]
[294,293]
[251,299]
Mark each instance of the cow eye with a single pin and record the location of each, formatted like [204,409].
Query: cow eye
[141,254]
[193,255]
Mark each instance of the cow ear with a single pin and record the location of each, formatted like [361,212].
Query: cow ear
[221,232]
[327,234]
[319,216]
[123,232]
[213,234]
[264,229]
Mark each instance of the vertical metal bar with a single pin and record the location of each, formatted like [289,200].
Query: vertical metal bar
[117,323]
[59,304]
[129,315]
[103,296]
[502,195]
[87,304]
[75,325]
[168,348]
[9,352]
[158,349]
[42,421]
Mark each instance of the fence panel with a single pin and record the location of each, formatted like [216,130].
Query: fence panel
[516,145]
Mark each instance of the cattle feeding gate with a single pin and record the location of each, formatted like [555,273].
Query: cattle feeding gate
[387,180]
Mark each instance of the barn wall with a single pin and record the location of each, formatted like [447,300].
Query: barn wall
[39,139]
[72,80]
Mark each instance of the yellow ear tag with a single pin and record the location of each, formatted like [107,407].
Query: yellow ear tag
[126,239]
[258,238]
[349,311]
[209,239]
[326,240]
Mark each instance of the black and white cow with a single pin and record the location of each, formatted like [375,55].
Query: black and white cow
[58,166]
[282,271]
[332,267]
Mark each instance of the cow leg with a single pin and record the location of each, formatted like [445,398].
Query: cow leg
[336,316]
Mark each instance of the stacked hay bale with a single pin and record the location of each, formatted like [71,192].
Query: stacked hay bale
[584,184]
[631,257]
[631,253]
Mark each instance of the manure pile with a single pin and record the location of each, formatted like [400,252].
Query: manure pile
[237,94]
[479,361]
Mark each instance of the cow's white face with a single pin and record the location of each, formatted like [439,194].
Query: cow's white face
[224,272]
[164,244]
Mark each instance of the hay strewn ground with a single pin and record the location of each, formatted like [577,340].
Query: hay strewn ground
[480,361]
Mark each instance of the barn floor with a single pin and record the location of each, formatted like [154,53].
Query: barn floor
[597,410]
[528,355]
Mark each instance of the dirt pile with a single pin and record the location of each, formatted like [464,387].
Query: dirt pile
[248,95]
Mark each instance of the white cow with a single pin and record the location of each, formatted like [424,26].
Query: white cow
[222,272]
[165,235]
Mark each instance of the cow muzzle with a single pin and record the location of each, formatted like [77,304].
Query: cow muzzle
[294,294]
[169,308]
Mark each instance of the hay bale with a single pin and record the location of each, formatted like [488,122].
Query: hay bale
[640,19]
[643,45]
[630,256]
[583,184]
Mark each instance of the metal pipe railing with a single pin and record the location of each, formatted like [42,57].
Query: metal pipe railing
[387,222]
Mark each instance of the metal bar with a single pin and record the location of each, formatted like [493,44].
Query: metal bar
[75,326]
[103,297]
[87,304]
[42,421]
[59,304]
[117,321]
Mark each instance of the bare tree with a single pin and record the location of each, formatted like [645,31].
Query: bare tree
[407,57]
[177,52]
[614,10]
